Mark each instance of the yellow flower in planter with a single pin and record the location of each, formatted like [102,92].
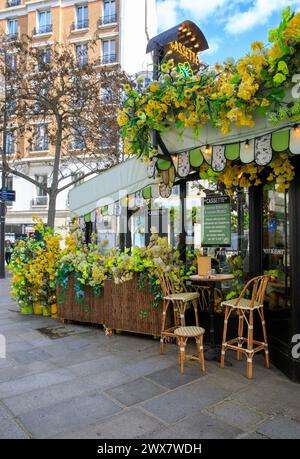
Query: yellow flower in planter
[154,87]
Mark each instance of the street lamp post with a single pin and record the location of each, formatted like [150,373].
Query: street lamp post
[2,202]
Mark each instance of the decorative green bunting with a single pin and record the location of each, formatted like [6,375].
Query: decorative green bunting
[280,140]
[105,210]
[232,151]
[146,193]
[163,164]
[196,158]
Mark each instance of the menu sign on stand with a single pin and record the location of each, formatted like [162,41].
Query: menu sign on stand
[216,222]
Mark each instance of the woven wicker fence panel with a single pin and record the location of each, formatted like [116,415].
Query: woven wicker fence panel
[129,307]
[90,309]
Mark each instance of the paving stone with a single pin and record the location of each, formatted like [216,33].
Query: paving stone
[199,426]
[184,401]
[130,423]
[9,428]
[31,355]
[131,342]
[272,397]
[236,414]
[147,365]
[280,427]
[227,379]
[6,363]
[67,359]
[69,415]
[32,382]
[41,398]
[5,321]
[104,363]
[171,377]
[135,391]
[18,346]
[18,371]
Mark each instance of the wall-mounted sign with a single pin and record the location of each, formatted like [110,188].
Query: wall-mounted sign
[216,222]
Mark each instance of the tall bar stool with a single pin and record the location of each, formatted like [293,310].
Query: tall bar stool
[180,301]
[245,308]
[183,334]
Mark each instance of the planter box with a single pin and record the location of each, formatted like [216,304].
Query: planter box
[120,307]
[128,307]
[89,311]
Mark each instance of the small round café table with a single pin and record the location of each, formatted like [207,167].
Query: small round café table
[212,280]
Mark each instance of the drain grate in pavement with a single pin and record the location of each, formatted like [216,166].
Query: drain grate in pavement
[60,331]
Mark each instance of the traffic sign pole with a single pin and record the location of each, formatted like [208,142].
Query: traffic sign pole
[2,203]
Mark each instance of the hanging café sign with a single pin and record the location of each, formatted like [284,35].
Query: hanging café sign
[182,43]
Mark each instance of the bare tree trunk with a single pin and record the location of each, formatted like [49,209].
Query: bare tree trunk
[51,210]
[54,185]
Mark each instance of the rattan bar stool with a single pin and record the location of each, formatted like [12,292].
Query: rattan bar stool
[183,334]
[180,302]
[245,308]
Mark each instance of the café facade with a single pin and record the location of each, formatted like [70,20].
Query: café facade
[239,191]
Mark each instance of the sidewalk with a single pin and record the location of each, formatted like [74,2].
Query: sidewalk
[88,385]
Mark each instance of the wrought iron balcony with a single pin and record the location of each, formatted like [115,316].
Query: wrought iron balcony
[11,36]
[11,3]
[108,19]
[47,28]
[78,25]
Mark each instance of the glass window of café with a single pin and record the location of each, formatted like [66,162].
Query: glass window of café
[164,215]
[276,260]
[239,248]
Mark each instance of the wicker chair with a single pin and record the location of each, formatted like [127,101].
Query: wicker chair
[180,301]
[245,308]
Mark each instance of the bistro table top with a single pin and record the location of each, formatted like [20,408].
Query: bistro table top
[212,277]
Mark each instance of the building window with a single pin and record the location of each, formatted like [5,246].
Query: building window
[44,57]
[78,136]
[11,3]
[44,22]
[110,12]
[40,140]
[40,97]
[41,194]
[108,51]
[82,54]
[82,17]
[12,28]
[10,143]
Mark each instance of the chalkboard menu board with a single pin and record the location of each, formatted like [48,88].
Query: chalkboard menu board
[216,222]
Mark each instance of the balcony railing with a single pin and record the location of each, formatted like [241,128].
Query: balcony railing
[111,19]
[11,3]
[47,28]
[11,36]
[78,25]
[39,201]
[108,59]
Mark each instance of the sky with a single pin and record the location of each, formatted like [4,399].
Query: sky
[228,25]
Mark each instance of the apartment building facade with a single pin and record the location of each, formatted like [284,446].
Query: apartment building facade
[121,29]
